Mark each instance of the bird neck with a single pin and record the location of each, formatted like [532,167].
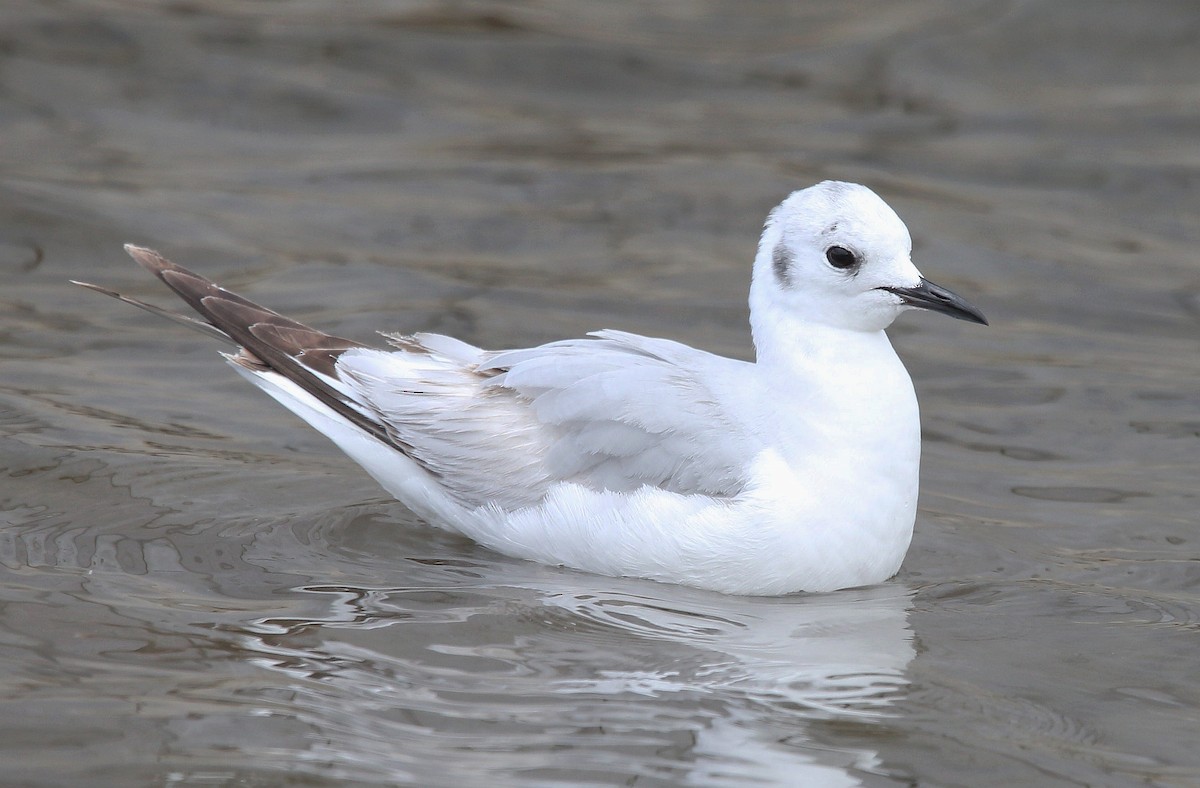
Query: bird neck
[839,392]
[783,340]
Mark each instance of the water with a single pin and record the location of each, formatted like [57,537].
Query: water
[198,591]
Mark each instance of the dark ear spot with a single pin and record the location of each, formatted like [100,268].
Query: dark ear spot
[781,262]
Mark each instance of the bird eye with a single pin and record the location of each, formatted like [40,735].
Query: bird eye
[841,258]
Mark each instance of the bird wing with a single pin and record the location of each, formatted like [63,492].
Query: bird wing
[630,411]
[613,412]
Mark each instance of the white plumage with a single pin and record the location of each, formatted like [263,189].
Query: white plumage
[628,455]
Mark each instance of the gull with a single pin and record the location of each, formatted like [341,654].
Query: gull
[627,455]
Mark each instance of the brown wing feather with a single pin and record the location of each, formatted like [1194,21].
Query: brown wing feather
[286,346]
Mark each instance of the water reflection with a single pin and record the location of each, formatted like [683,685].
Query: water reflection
[692,687]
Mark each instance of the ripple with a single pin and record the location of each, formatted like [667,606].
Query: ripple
[1076,494]
[1024,453]
[1168,429]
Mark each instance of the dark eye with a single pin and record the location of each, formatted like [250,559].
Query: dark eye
[841,257]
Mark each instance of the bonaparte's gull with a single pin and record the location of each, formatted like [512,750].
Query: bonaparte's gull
[628,455]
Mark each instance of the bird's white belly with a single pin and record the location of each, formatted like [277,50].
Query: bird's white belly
[784,534]
[834,526]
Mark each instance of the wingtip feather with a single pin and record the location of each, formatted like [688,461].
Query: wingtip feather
[149,259]
[97,288]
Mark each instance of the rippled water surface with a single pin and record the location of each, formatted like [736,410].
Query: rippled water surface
[197,590]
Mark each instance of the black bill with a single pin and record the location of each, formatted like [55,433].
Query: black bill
[936,298]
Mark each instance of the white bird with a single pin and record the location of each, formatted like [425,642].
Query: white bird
[627,455]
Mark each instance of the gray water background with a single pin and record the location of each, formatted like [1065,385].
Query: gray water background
[198,590]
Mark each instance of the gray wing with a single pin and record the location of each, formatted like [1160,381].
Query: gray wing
[627,411]
[616,412]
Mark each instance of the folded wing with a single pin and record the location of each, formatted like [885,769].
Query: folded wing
[613,412]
